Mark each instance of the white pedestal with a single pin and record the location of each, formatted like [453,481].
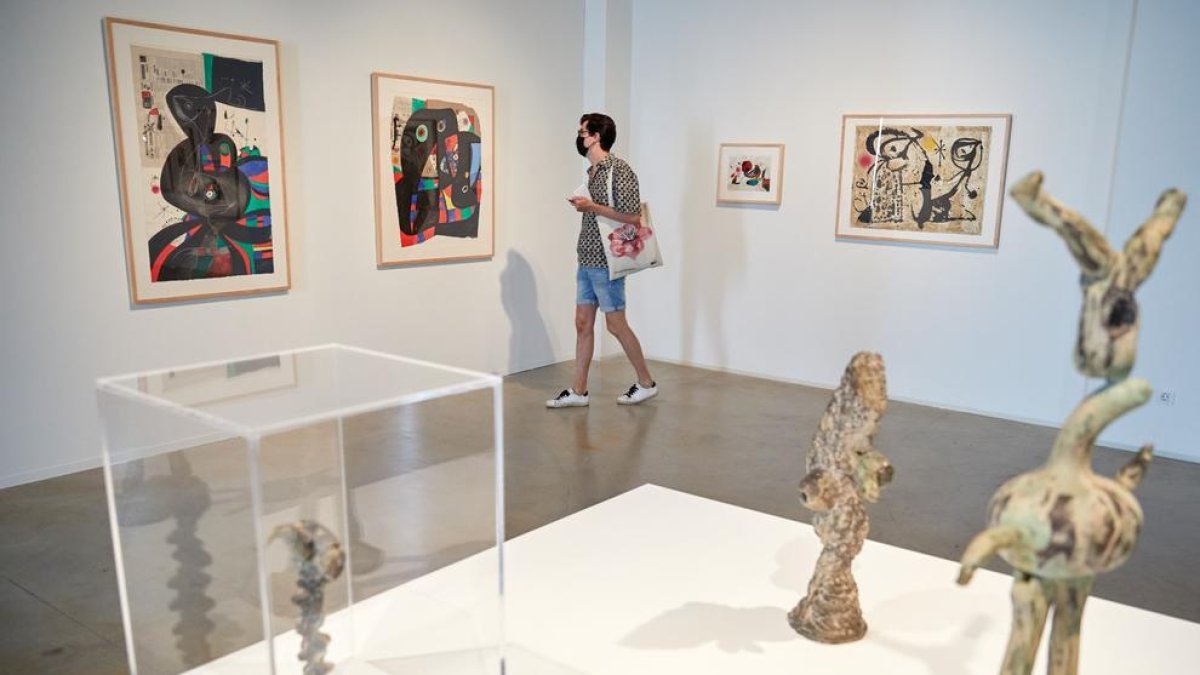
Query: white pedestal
[656,581]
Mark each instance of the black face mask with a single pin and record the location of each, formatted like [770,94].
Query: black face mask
[580,147]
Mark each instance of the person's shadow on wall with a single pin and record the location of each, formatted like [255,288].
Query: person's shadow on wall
[529,345]
[711,262]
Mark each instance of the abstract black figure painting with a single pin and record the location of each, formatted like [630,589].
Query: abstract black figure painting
[433,170]
[924,179]
[200,148]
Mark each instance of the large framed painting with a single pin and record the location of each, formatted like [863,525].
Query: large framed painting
[933,179]
[434,185]
[199,137]
[750,173]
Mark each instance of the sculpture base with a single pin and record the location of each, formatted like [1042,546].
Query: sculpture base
[828,625]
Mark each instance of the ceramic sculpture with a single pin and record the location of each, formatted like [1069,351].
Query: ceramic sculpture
[844,473]
[318,558]
[1061,524]
[1108,322]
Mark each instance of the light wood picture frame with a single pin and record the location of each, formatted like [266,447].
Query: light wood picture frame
[750,173]
[926,178]
[434,152]
[198,125]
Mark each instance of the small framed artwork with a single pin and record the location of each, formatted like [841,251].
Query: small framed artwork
[932,179]
[433,155]
[199,134]
[750,173]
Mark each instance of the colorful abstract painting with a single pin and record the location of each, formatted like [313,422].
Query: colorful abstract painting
[750,173]
[432,170]
[927,179]
[200,145]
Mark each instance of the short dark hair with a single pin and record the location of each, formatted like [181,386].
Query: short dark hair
[599,123]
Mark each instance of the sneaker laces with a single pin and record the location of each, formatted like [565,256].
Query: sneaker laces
[565,393]
[632,390]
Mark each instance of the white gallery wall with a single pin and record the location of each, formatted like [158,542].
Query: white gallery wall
[758,290]
[1155,150]
[67,315]
[766,290]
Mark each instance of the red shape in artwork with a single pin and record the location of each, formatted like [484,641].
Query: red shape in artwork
[222,264]
[241,254]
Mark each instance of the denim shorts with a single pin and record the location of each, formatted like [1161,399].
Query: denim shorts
[592,287]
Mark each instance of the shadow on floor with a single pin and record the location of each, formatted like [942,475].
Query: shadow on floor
[727,437]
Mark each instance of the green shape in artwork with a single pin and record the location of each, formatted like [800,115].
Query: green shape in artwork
[248,249]
[208,68]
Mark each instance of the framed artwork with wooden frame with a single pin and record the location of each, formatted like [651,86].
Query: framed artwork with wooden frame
[750,173]
[932,179]
[434,145]
[199,134]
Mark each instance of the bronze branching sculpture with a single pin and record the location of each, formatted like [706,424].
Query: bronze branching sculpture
[844,472]
[1062,524]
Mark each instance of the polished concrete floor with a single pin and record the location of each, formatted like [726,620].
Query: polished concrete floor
[732,438]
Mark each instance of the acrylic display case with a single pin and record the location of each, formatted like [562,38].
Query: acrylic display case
[400,460]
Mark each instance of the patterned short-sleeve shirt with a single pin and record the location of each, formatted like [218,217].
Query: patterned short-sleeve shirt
[628,200]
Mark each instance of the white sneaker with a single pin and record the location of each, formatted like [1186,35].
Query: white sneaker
[637,393]
[568,399]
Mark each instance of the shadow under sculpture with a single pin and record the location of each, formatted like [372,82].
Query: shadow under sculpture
[1062,524]
[844,473]
[319,559]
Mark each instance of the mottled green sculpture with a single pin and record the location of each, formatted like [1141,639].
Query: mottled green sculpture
[318,558]
[845,472]
[1062,524]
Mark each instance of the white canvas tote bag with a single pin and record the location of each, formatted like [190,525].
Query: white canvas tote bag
[628,248]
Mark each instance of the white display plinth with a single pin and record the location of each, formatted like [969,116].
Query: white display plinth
[400,459]
[656,581]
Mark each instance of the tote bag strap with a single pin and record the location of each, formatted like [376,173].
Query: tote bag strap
[612,196]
